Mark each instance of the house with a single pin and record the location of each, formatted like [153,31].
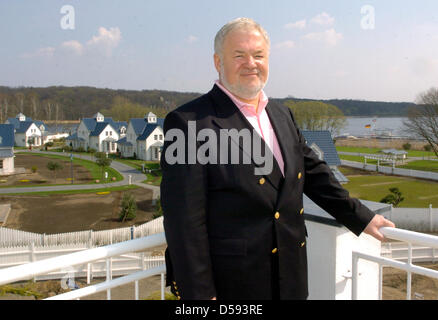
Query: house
[144,138]
[7,149]
[321,143]
[98,133]
[27,131]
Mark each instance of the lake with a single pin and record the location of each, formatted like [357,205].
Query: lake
[359,126]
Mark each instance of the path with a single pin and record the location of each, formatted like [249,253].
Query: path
[136,178]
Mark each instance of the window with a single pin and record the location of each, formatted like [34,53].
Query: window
[1,164]
[111,133]
[106,133]
[161,137]
[155,137]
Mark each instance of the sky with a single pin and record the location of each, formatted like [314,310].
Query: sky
[383,50]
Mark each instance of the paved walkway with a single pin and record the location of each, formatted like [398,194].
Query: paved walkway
[126,171]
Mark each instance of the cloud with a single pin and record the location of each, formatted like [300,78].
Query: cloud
[285,44]
[41,52]
[323,19]
[106,40]
[73,46]
[329,37]
[103,43]
[192,39]
[301,24]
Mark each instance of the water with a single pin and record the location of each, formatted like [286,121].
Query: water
[357,126]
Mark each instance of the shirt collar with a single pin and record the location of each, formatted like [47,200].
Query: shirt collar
[263,100]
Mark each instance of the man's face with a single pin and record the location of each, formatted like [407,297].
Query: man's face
[244,65]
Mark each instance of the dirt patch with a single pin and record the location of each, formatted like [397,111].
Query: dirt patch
[44,176]
[395,283]
[77,212]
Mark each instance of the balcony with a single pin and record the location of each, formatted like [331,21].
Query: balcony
[341,265]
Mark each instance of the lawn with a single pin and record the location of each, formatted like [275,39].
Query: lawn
[374,187]
[95,170]
[153,177]
[411,153]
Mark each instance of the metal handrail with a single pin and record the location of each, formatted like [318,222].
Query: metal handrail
[401,235]
[31,270]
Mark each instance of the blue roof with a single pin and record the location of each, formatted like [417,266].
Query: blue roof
[100,126]
[323,139]
[138,124]
[24,125]
[124,141]
[7,135]
[147,131]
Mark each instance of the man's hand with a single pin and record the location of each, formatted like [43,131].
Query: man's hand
[375,224]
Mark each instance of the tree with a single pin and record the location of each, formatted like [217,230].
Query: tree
[407,146]
[102,161]
[394,198]
[54,166]
[129,207]
[315,115]
[422,120]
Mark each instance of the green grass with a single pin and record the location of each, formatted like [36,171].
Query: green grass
[417,193]
[422,165]
[48,193]
[411,153]
[95,170]
[152,178]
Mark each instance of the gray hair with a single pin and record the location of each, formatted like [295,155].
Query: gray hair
[237,24]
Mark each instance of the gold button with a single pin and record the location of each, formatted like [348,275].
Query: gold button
[299,175]
[262,181]
[178,297]
[177,293]
[274,250]
[302,211]
[303,243]
[277,215]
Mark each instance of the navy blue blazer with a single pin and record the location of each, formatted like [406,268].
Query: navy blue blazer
[224,224]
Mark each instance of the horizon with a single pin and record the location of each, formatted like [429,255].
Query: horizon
[364,50]
[188,92]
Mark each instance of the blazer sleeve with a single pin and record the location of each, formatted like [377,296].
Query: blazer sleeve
[183,199]
[321,186]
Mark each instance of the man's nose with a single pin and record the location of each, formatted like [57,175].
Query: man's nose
[250,61]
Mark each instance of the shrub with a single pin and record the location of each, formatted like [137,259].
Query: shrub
[427,147]
[34,169]
[158,209]
[394,198]
[407,146]
[129,207]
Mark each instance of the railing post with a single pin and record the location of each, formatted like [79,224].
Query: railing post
[32,255]
[380,281]
[108,277]
[354,275]
[162,286]
[430,218]
[409,278]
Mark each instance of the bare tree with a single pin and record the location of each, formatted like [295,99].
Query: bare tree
[422,120]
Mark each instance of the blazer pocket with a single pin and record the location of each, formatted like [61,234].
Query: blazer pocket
[228,247]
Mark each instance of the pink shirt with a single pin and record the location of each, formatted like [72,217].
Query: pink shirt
[260,121]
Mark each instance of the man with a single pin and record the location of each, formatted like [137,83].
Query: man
[233,234]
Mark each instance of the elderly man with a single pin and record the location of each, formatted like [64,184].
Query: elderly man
[232,233]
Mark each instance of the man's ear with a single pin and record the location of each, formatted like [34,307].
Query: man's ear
[217,62]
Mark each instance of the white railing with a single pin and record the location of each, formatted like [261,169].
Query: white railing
[31,270]
[410,238]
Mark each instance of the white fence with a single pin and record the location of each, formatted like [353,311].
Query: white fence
[15,238]
[389,170]
[400,251]
[414,219]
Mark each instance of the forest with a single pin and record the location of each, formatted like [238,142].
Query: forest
[74,103]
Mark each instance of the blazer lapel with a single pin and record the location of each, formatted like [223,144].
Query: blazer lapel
[284,136]
[229,117]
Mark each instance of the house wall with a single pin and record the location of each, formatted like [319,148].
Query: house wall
[34,130]
[8,166]
[108,132]
[83,132]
